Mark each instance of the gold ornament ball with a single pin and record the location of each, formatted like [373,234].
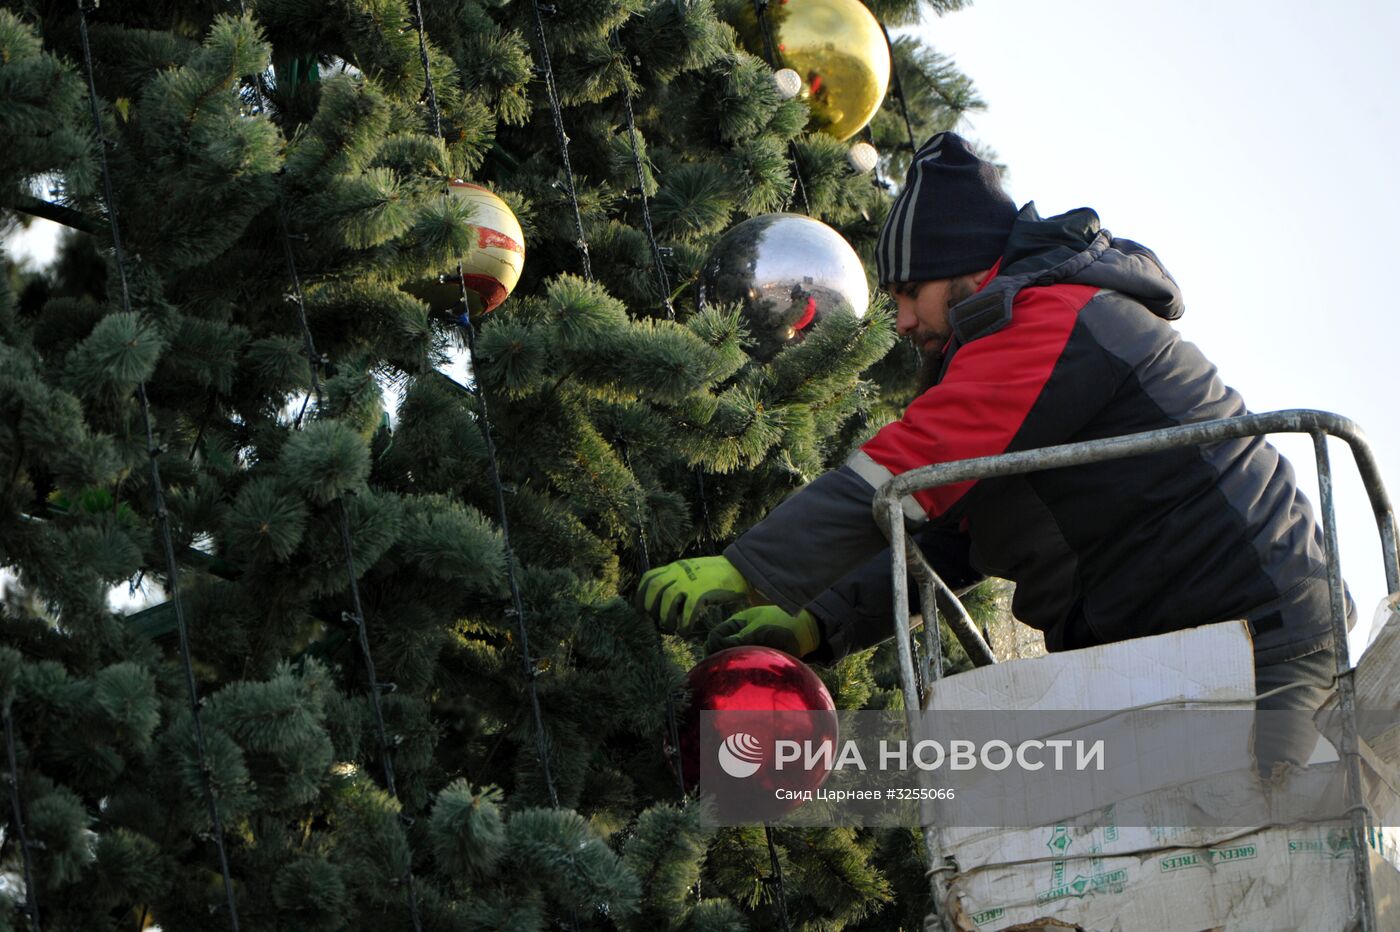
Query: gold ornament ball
[837,49]
[492,269]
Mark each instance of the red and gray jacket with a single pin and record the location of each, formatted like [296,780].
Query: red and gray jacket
[1068,342]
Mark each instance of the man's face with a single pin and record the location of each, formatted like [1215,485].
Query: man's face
[923,316]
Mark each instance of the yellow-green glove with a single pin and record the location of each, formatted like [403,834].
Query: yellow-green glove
[674,593]
[767,626]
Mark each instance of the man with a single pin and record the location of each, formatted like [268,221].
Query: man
[1037,332]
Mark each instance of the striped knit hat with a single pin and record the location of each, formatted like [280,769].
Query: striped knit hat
[950,219]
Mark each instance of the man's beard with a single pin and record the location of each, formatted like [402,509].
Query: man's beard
[930,364]
[931,361]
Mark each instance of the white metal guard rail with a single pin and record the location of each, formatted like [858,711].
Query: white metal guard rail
[934,594]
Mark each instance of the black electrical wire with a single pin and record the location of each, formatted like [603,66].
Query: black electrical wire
[562,138]
[356,616]
[31,895]
[672,723]
[428,89]
[517,603]
[775,61]
[469,330]
[386,750]
[663,280]
[706,529]
[157,489]
[673,734]
[899,91]
[776,879]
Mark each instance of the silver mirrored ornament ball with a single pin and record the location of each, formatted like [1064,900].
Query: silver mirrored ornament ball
[787,272]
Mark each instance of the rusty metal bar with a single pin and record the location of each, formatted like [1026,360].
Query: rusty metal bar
[950,608]
[907,680]
[928,603]
[930,584]
[889,516]
[922,669]
[894,525]
[1346,690]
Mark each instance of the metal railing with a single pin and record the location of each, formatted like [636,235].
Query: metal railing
[935,595]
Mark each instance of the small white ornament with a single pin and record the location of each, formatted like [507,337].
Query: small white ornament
[788,83]
[862,157]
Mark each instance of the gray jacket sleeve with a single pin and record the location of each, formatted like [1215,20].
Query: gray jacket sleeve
[858,612]
[814,538]
[821,549]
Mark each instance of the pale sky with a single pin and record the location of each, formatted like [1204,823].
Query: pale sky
[1253,146]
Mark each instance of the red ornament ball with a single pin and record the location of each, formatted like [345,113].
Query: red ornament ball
[760,696]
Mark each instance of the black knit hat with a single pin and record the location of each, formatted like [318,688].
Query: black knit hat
[951,218]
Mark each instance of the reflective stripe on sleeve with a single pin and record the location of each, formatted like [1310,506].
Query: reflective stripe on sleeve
[875,474]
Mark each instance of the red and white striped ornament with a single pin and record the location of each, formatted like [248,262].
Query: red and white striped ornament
[492,269]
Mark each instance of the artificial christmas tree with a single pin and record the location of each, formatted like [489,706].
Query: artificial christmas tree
[390,677]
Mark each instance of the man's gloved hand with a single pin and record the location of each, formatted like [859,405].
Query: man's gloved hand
[767,626]
[674,593]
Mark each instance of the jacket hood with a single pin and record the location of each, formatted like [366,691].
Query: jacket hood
[1073,248]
